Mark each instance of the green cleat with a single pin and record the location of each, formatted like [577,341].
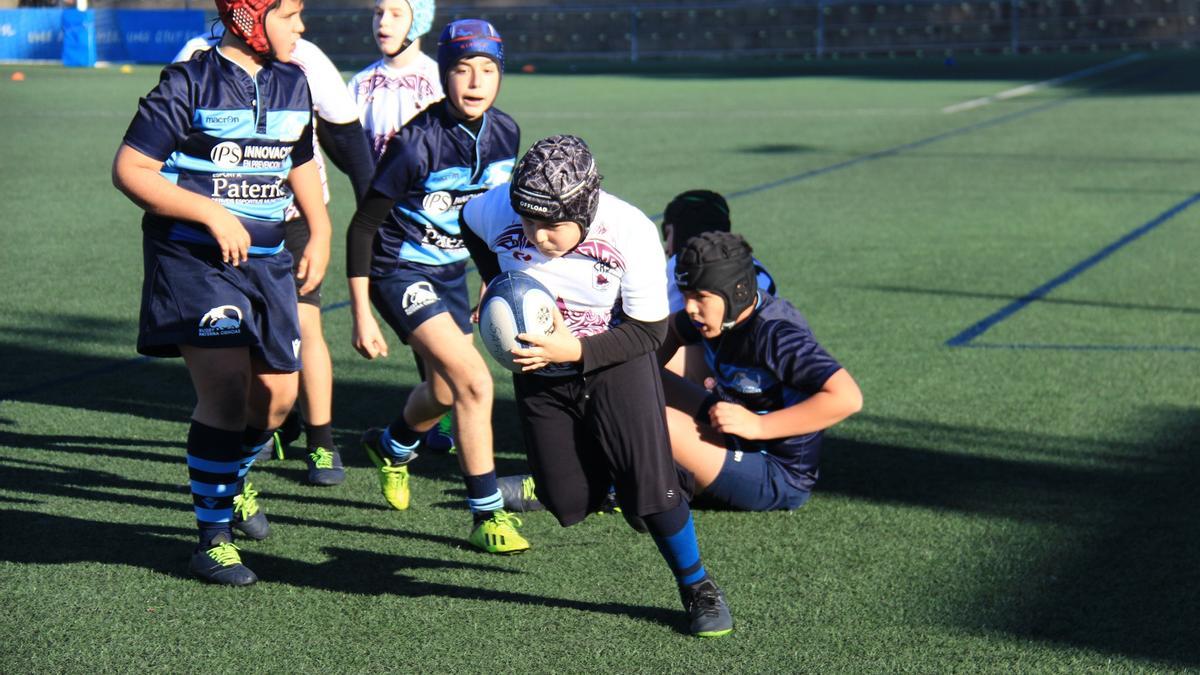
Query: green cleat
[221,564]
[498,534]
[393,475]
[248,518]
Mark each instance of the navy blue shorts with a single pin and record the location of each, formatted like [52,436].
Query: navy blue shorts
[413,293]
[751,481]
[190,297]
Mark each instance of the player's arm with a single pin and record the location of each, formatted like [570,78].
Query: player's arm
[305,181]
[339,131]
[837,399]
[367,338]
[347,147]
[397,171]
[137,175]
[673,340]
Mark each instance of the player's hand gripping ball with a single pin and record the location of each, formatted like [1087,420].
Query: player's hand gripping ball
[514,303]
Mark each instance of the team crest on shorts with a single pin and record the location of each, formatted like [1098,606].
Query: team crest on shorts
[296,348]
[223,320]
[418,295]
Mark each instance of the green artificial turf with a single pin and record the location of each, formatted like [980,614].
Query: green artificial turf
[1025,501]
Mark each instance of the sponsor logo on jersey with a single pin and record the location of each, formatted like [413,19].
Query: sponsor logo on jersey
[227,154]
[437,202]
[223,320]
[227,189]
[264,156]
[221,120]
[435,237]
[418,295]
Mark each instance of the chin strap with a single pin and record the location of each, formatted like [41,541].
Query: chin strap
[403,46]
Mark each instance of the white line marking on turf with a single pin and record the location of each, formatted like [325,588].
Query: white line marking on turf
[1037,86]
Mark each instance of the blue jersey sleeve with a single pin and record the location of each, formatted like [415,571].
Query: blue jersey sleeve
[796,358]
[163,116]
[400,168]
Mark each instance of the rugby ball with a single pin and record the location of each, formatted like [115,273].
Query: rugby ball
[514,303]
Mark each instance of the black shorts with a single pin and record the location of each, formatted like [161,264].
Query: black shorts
[295,238]
[190,297]
[584,434]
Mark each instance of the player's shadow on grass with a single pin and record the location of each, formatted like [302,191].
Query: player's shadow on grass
[165,549]
[1133,588]
[120,386]
[370,573]
[35,478]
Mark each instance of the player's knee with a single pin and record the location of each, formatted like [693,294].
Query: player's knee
[472,387]
[281,397]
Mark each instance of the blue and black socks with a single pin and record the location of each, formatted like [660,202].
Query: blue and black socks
[483,495]
[214,459]
[675,536]
[218,461]
[399,440]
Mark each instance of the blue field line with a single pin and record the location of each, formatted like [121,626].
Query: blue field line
[981,327]
[1033,346]
[813,173]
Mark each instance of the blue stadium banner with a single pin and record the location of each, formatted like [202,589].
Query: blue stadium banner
[145,35]
[79,38]
[30,34]
[130,35]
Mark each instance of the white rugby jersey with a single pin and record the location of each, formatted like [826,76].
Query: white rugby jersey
[619,266]
[330,100]
[387,98]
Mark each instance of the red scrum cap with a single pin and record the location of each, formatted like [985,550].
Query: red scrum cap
[244,18]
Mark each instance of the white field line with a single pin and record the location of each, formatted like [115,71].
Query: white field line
[1027,89]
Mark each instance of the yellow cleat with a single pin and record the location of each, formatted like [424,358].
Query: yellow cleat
[498,534]
[393,476]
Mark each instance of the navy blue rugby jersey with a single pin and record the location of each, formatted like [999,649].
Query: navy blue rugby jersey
[432,167]
[769,362]
[230,137]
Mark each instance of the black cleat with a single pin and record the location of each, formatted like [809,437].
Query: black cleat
[707,611]
[518,493]
[220,563]
[325,467]
[248,518]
